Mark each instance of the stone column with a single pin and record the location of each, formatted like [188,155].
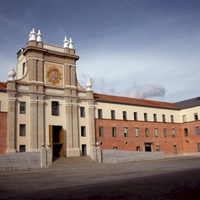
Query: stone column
[33,124]
[11,124]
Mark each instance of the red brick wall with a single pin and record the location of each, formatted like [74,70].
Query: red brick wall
[183,144]
[3,130]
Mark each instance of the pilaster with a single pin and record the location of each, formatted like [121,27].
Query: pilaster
[33,124]
[41,121]
[11,125]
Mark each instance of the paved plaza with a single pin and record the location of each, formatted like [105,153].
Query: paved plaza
[81,178]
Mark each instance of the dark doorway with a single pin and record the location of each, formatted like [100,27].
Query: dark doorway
[84,150]
[147,147]
[56,140]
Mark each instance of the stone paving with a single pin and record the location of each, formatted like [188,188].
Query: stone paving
[81,178]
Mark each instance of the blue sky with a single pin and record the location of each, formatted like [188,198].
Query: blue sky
[137,48]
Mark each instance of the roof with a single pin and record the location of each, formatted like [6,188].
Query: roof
[3,85]
[133,101]
[188,103]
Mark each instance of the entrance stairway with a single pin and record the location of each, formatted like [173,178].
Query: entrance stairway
[64,161]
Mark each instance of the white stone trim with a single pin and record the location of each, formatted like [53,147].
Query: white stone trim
[91,106]
[11,99]
[68,64]
[71,104]
[34,58]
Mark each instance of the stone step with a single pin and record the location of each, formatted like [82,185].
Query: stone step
[65,161]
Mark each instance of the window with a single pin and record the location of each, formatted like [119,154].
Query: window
[22,130]
[23,69]
[146,132]
[165,132]
[197,130]
[22,148]
[100,115]
[145,117]
[172,119]
[82,111]
[22,107]
[184,118]
[138,148]
[156,132]
[114,131]
[124,115]
[135,116]
[112,114]
[163,118]
[157,148]
[83,131]
[125,132]
[101,131]
[173,133]
[155,117]
[195,116]
[54,108]
[185,132]
[136,132]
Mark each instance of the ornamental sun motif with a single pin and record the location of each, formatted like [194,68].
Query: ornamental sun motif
[53,75]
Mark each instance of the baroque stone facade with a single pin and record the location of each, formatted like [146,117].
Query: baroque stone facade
[45,105]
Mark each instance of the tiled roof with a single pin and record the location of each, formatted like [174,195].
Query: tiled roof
[3,85]
[188,103]
[133,101]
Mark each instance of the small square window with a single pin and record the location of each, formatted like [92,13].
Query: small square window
[101,134]
[54,108]
[83,131]
[22,148]
[138,148]
[22,130]
[82,111]
[157,148]
[22,107]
